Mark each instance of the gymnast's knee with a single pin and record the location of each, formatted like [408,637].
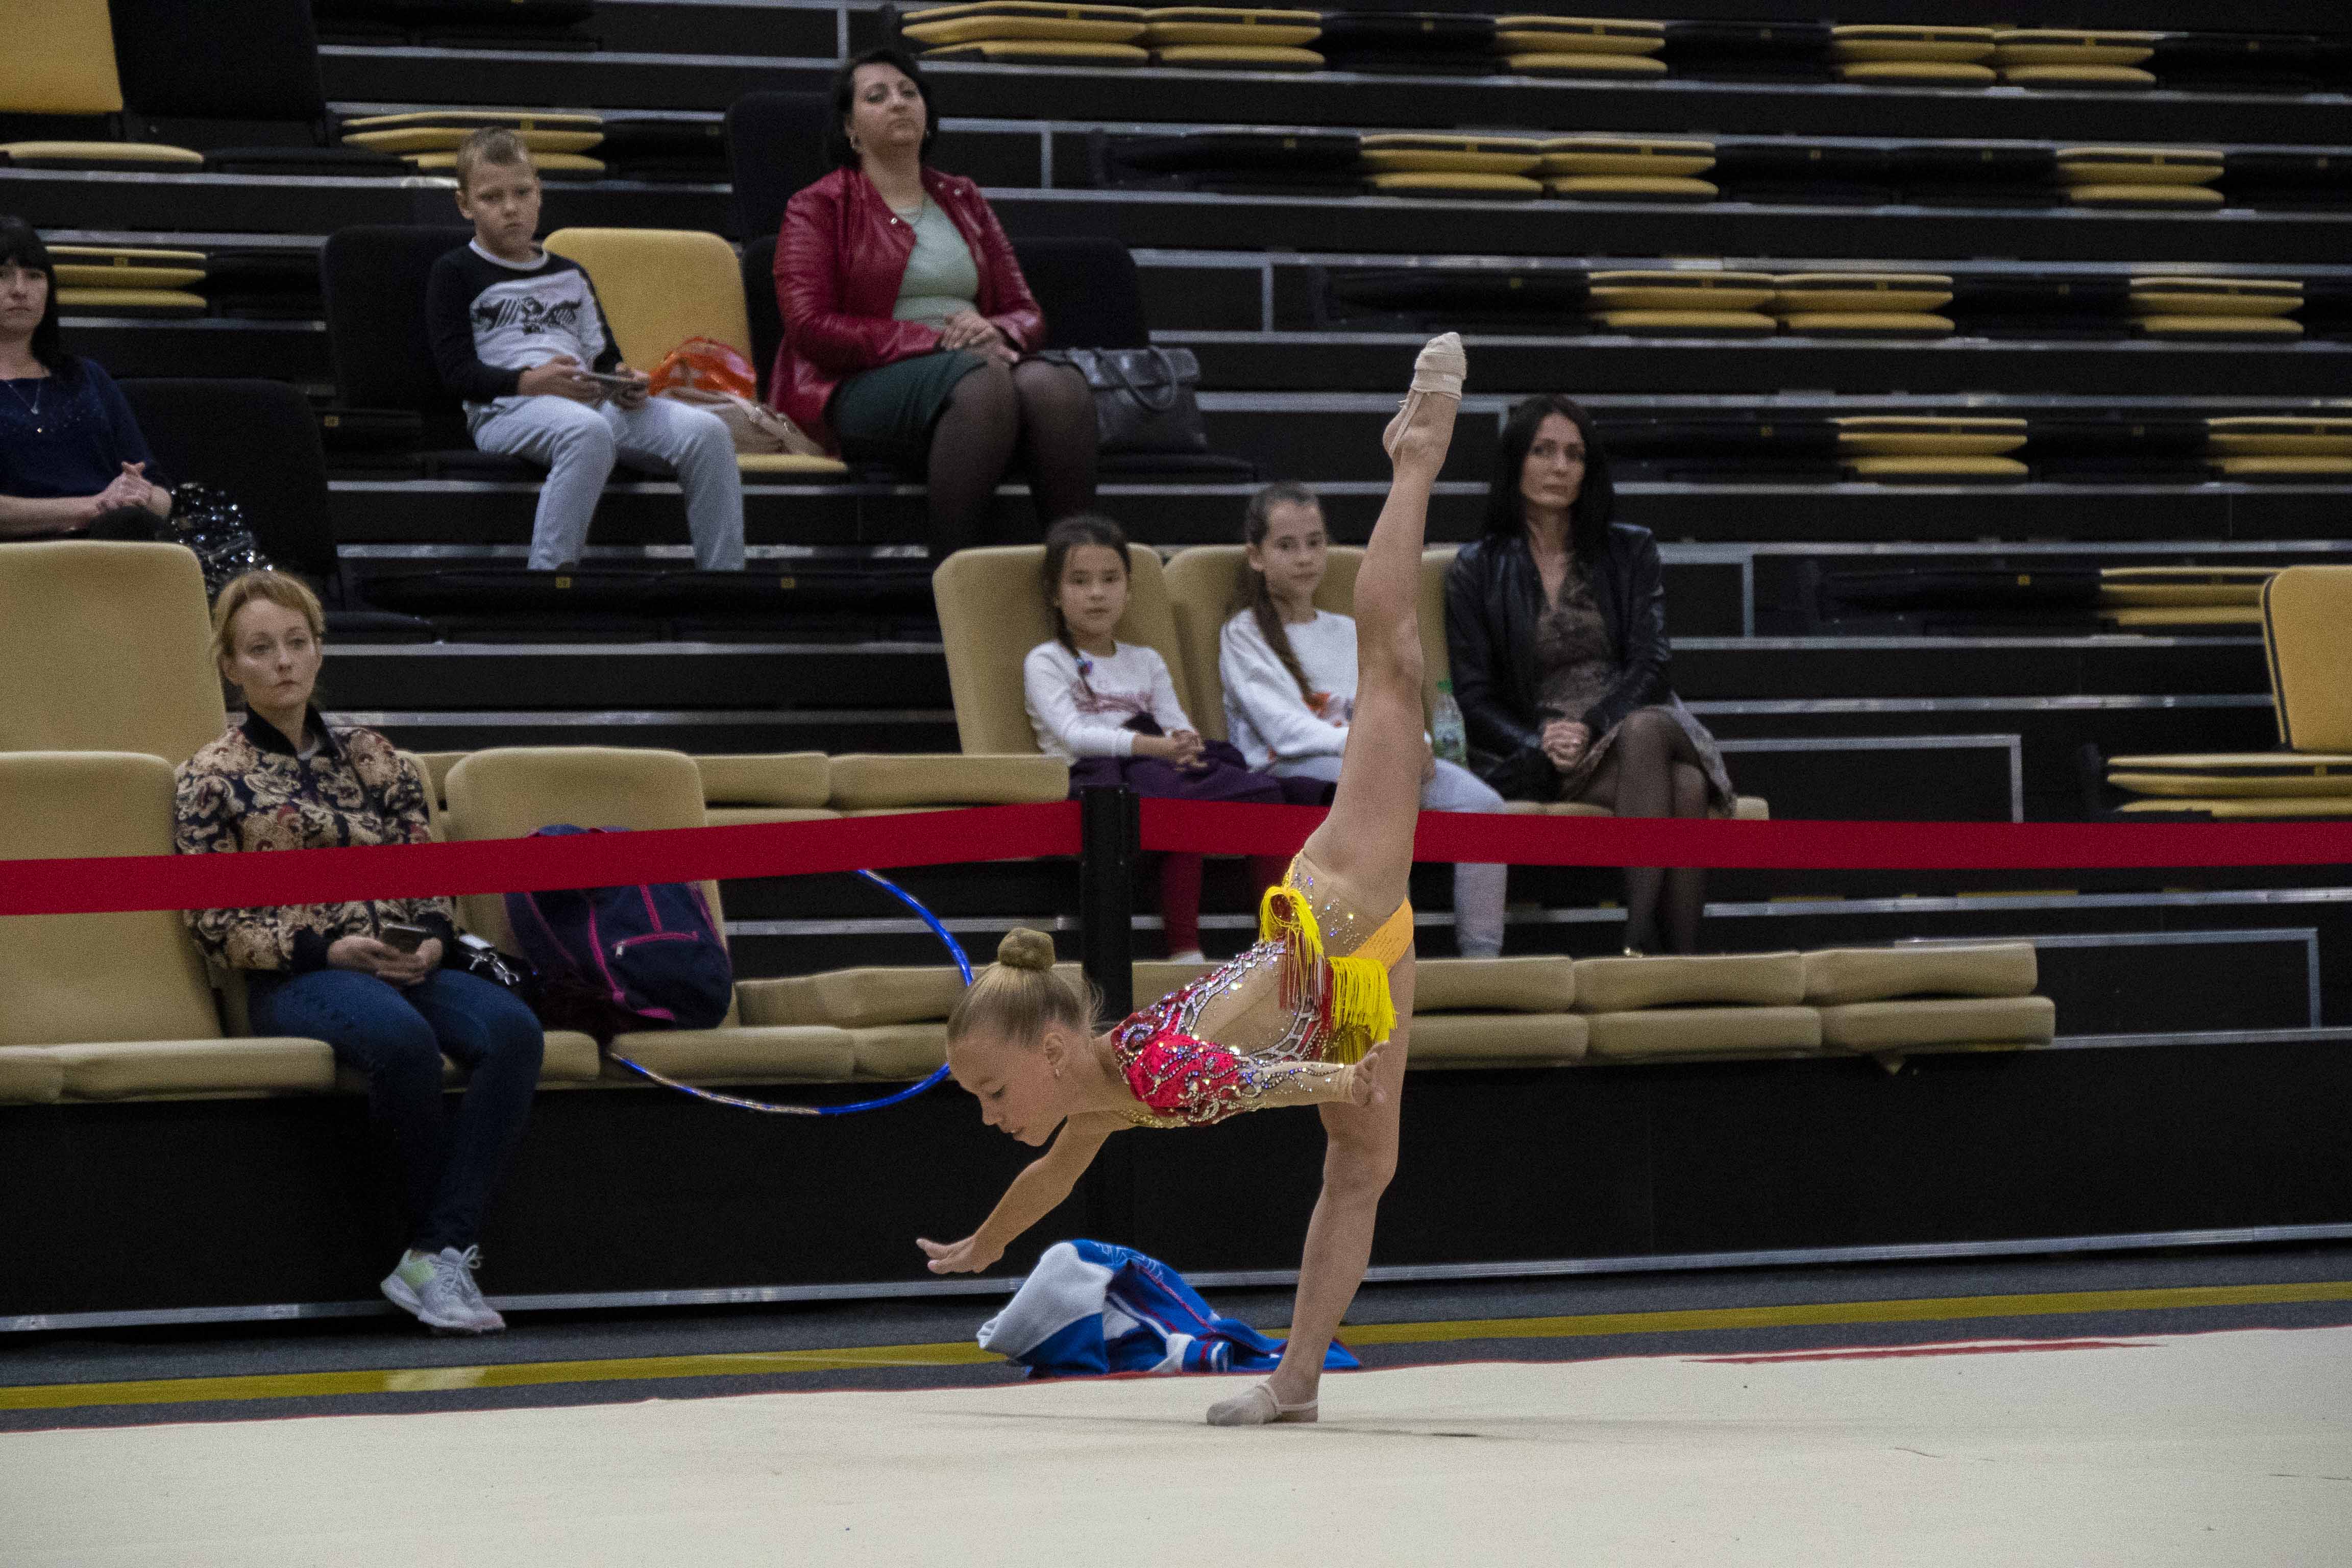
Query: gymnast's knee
[1359,1169]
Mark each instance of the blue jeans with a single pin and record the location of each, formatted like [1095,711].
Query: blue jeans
[449,1167]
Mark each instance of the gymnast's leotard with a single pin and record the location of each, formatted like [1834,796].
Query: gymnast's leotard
[1280,1025]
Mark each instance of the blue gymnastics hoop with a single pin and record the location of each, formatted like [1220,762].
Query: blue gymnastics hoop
[963,967]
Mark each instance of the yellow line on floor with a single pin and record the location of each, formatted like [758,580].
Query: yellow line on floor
[1928,1310]
[962,1352]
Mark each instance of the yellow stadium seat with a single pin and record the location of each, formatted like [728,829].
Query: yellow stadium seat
[126,266]
[2305,612]
[1040,52]
[512,792]
[1025,20]
[441,130]
[992,611]
[787,465]
[1879,41]
[1517,35]
[136,157]
[1552,62]
[154,692]
[59,58]
[1682,292]
[2162,296]
[662,286]
[1238,56]
[2278,436]
[1868,293]
[1625,155]
[2139,165]
[1434,183]
[559,164]
[1646,187]
[1919,73]
[1414,153]
[119,1003]
[1923,435]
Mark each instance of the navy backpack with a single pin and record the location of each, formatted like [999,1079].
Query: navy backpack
[613,960]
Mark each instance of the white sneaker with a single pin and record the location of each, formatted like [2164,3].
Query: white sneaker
[439,1289]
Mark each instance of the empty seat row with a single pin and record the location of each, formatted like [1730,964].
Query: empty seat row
[1550,1011]
[1668,168]
[2304,612]
[1035,33]
[2126,446]
[246,89]
[1699,301]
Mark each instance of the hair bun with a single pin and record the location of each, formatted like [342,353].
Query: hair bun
[1025,949]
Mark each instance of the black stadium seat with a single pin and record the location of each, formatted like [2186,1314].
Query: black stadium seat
[243,73]
[1415,41]
[775,145]
[258,442]
[375,276]
[1092,299]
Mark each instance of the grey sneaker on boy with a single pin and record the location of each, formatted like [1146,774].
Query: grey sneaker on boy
[439,1289]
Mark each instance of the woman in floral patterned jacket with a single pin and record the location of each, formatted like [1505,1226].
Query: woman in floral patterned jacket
[285,779]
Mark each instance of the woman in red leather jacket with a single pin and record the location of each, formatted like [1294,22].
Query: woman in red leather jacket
[907,320]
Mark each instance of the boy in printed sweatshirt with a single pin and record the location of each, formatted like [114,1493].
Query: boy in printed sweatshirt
[517,334]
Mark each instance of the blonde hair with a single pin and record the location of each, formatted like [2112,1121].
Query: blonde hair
[1019,996]
[280,588]
[490,144]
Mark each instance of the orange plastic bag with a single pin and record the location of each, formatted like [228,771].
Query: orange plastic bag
[706,365]
[708,374]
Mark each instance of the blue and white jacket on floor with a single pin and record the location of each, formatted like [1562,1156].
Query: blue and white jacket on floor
[1089,1308]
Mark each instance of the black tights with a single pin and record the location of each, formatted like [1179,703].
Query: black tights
[1043,410]
[1652,770]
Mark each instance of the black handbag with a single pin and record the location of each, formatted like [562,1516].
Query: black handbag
[1144,398]
[472,955]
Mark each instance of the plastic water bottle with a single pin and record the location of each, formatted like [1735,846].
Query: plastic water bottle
[1447,737]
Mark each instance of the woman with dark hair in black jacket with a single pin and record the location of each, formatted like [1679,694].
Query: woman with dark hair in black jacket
[72,462]
[1556,627]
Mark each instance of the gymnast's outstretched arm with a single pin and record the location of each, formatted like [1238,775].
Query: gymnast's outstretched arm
[1036,1193]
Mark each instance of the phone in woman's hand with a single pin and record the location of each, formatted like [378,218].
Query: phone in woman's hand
[405,937]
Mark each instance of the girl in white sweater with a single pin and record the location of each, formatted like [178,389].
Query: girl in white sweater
[1290,671]
[1110,709]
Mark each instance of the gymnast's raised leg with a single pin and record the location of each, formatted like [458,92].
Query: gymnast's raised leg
[1364,849]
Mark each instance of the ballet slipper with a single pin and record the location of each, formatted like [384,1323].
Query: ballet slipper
[1259,1407]
[1437,371]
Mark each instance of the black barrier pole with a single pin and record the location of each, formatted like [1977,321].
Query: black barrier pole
[1109,832]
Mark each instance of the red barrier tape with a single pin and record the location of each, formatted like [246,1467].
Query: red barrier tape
[1177,824]
[126,882]
[112,883]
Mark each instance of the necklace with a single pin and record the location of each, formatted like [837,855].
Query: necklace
[33,404]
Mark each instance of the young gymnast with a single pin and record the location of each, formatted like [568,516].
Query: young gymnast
[1318,1013]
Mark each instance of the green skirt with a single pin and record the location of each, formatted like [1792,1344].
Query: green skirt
[888,412]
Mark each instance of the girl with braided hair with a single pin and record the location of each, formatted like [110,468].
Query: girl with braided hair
[1318,1013]
[1289,673]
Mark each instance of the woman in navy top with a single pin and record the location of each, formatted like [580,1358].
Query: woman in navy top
[72,462]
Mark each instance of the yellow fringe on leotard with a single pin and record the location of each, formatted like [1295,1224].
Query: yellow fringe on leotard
[1351,992]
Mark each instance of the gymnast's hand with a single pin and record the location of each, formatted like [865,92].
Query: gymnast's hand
[969,1256]
[1363,1083]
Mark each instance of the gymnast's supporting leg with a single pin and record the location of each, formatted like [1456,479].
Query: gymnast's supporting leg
[1365,844]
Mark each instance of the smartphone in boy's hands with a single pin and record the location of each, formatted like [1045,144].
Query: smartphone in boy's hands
[403,937]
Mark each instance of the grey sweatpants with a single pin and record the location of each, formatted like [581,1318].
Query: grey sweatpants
[579,442]
[1478,890]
